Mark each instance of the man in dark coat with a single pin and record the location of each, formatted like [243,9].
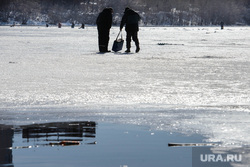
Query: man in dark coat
[131,19]
[104,23]
[222,25]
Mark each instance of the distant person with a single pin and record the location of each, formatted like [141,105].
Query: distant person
[104,23]
[73,25]
[131,20]
[59,25]
[47,25]
[82,26]
[13,25]
[222,25]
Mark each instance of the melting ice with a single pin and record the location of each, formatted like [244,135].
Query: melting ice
[185,79]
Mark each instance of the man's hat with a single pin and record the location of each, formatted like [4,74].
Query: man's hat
[126,9]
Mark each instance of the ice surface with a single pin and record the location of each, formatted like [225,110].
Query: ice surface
[196,81]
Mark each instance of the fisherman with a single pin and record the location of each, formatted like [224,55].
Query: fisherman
[59,25]
[72,25]
[104,23]
[222,25]
[131,20]
[82,26]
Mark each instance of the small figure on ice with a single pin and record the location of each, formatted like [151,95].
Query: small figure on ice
[222,25]
[131,20]
[82,26]
[13,25]
[59,25]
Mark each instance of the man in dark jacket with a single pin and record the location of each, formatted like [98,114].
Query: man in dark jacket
[104,23]
[131,19]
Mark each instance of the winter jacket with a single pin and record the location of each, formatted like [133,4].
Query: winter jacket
[130,19]
[104,20]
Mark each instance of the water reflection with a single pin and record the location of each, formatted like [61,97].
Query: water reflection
[6,136]
[70,131]
[118,145]
[57,133]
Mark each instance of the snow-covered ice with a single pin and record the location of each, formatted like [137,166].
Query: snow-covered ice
[196,81]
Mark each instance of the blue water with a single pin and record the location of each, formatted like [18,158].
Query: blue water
[102,145]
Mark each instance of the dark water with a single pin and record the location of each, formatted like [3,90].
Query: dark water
[100,145]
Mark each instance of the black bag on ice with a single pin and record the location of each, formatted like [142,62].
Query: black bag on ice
[118,43]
